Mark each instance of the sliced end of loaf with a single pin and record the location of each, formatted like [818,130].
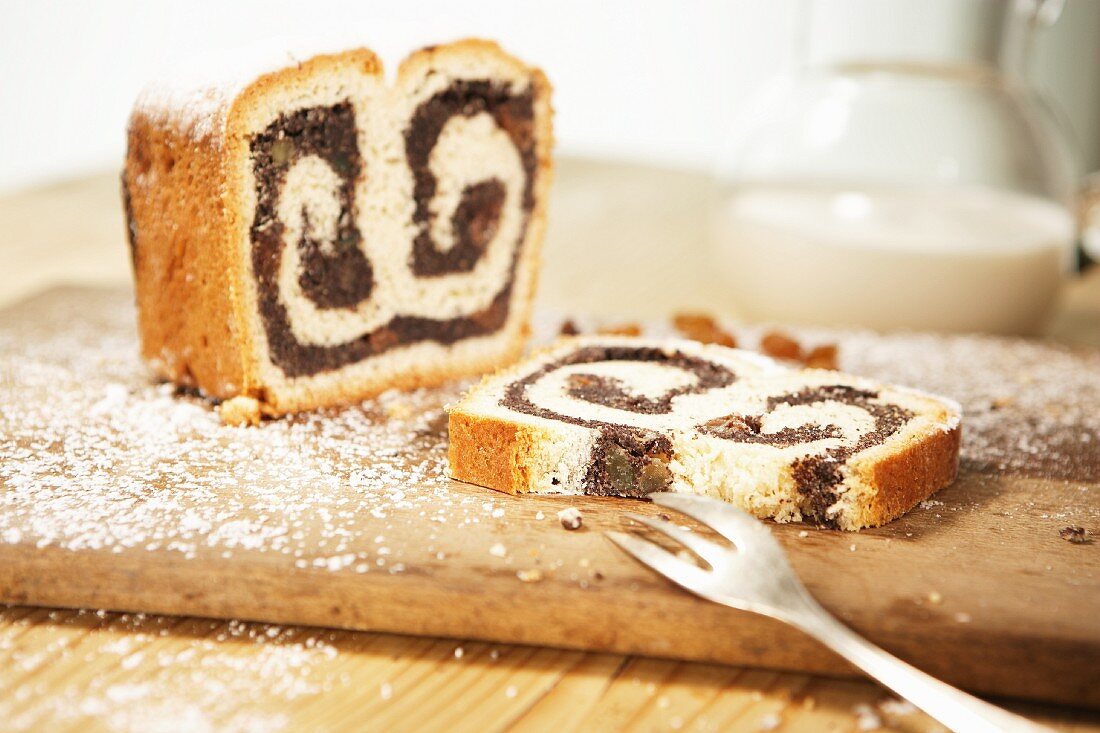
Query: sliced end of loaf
[329,230]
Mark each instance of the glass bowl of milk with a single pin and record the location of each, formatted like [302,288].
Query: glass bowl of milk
[907,176]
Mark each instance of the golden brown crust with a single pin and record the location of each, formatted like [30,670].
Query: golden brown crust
[195,322]
[174,186]
[911,475]
[486,452]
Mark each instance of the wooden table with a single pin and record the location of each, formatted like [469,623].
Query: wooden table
[89,670]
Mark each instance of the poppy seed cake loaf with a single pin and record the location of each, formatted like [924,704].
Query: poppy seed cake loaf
[312,235]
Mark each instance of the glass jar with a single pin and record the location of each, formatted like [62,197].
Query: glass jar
[907,176]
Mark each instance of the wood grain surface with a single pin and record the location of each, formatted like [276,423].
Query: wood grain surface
[104,671]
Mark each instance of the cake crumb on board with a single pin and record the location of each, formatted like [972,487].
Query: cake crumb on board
[571,518]
[240,410]
[1075,534]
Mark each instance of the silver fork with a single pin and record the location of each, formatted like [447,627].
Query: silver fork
[757,577]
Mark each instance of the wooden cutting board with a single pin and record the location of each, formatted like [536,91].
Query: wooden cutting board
[117,493]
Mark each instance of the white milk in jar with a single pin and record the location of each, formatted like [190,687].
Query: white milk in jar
[935,258]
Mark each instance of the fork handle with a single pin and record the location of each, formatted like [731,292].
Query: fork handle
[950,706]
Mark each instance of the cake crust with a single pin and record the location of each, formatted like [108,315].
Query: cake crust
[490,453]
[507,451]
[910,476]
[187,194]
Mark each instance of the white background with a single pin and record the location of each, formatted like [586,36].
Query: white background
[644,80]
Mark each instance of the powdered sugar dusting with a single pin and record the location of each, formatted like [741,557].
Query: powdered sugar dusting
[98,456]
[195,93]
[178,675]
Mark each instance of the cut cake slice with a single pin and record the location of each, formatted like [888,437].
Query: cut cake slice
[628,416]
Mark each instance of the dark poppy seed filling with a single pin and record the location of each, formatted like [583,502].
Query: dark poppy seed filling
[337,274]
[632,461]
[626,460]
[478,212]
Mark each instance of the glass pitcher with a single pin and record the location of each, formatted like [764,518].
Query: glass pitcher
[907,176]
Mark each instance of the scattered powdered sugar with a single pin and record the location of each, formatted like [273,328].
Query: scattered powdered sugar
[866,717]
[96,456]
[197,676]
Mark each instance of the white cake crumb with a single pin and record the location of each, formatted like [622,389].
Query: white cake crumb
[769,721]
[571,518]
[498,550]
[534,575]
[240,410]
[866,717]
